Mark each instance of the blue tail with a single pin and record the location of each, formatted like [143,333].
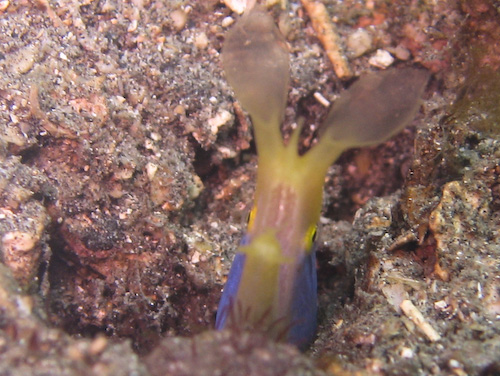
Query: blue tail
[304,304]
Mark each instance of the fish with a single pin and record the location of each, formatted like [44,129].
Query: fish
[272,284]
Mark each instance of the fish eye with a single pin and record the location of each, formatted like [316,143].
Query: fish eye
[251,217]
[310,237]
[314,235]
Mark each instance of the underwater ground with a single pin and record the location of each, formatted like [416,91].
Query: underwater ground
[127,172]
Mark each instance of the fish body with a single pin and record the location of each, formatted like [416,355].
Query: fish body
[287,314]
[272,284]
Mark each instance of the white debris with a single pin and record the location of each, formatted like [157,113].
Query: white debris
[414,315]
[219,120]
[321,99]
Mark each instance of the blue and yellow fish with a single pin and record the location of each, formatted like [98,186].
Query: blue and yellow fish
[272,283]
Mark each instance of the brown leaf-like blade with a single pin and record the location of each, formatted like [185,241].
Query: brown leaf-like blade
[256,62]
[375,107]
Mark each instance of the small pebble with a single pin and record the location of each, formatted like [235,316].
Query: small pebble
[227,21]
[237,6]
[151,169]
[4,4]
[63,56]
[98,345]
[23,60]
[381,59]
[406,353]
[155,136]
[401,53]
[359,43]
[179,19]
[195,258]
[180,110]
[201,41]
[440,305]
[133,26]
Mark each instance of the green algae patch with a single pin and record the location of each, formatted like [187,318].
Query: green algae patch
[479,103]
